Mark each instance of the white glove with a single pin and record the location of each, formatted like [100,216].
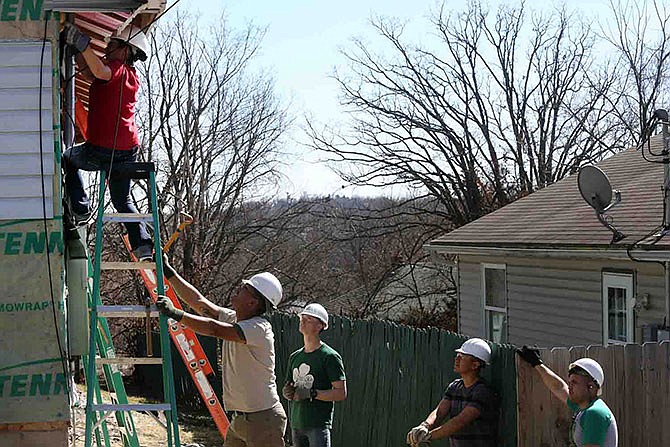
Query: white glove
[418,434]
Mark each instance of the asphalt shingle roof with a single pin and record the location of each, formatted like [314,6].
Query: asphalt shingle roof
[558,216]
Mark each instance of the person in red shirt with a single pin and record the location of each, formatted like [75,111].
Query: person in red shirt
[112,133]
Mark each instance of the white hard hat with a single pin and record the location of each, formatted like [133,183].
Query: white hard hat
[268,285]
[478,348]
[593,368]
[317,311]
[135,39]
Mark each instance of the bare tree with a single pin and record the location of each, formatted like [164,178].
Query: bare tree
[215,128]
[486,117]
[366,259]
[640,36]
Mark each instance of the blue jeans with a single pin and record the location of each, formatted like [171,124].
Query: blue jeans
[88,157]
[311,437]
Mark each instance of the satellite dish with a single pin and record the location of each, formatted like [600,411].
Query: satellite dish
[595,188]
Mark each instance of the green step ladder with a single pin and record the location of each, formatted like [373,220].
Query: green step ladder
[113,379]
[101,350]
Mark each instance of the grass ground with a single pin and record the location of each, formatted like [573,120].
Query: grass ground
[195,429]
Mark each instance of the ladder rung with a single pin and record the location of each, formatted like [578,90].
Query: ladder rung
[129,361]
[131,407]
[137,311]
[127,217]
[133,170]
[114,265]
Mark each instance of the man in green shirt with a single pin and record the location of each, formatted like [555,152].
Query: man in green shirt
[314,380]
[593,423]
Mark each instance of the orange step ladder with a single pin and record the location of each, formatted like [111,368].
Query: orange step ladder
[189,348]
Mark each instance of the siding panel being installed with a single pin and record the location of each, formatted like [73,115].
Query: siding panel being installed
[20,152]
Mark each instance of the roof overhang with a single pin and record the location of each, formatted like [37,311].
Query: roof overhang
[661,254]
[104,5]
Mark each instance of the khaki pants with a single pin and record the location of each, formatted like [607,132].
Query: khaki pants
[260,429]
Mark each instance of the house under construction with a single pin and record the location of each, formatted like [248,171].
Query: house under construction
[44,308]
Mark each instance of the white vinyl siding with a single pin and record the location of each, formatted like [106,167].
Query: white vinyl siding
[21,163]
[469,293]
[554,302]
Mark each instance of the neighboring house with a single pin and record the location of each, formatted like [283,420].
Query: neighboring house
[542,270]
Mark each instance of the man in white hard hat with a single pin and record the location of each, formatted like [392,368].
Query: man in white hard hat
[111,133]
[468,413]
[314,380]
[593,423]
[248,356]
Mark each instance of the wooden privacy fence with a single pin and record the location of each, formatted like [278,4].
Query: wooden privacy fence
[395,376]
[637,389]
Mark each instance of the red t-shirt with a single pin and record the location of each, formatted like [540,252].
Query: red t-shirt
[104,100]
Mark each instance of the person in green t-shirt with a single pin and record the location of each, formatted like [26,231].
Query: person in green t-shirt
[593,423]
[314,381]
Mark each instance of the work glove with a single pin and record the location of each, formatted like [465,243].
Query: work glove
[418,434]
[303,393]
[165,306]
[288,391]
[168,271]
[75,38]
[530,355]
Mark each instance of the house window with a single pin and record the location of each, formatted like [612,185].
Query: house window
[494,300]
[618,308]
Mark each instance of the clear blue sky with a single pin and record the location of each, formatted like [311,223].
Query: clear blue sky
[300,50]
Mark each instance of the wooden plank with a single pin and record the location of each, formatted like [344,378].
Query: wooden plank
[633,417]
[615,389]
[663,392]
[525,403]
[561,418]
[650,380]
[36,426]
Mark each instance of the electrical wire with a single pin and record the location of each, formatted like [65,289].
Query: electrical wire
[630,247]
[646,140]
[661,229]
[61,351]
